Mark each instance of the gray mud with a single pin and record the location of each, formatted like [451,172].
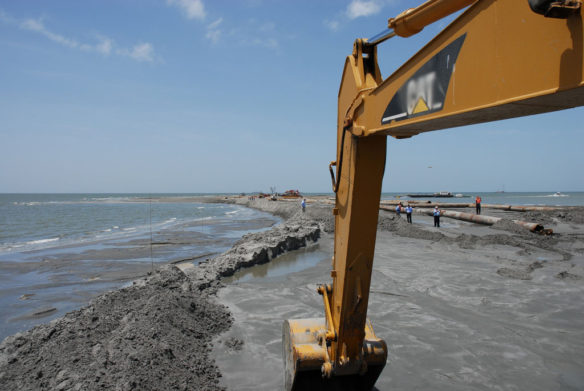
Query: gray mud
[463,307]
[152,335]
[510,234]
[573,215]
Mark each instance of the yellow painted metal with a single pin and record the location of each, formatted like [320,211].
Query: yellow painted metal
[306,354]
[357,202]
[325,291]
[513,63]
[413,20]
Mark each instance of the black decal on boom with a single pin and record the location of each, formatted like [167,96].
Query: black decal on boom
[425,91]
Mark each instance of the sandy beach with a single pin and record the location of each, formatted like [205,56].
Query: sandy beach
[465,306]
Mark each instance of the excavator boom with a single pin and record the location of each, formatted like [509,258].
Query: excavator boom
[499,59]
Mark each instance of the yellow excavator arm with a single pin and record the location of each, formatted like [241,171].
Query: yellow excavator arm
[499,59]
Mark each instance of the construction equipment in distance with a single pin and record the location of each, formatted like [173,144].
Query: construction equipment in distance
[291,194]
[499,59]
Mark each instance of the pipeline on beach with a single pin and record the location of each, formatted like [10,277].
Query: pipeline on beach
[479,219]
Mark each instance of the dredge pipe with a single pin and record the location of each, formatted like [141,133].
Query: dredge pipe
[479,219]
[426,203]
[534,208]
[511,208]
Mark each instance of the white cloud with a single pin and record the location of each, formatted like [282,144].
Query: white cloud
[257,33]
[193,9]
[253,34]
[355,9]
[104,46]
[39,27]
[213,35]
[215,24]
[213,31]
[332,25]
[270,43]
[358,8]
[140,52]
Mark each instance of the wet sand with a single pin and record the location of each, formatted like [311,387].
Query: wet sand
[464,307]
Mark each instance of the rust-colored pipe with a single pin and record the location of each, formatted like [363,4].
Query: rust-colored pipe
[472,205]
[521,208]
[479,219]
[426,203]
[413,20]
[534,208]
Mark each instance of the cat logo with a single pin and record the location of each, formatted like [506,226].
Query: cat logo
[419,93]
[425,91]
[420,106]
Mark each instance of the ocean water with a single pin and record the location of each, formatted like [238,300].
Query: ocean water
[57,251]
[36,221]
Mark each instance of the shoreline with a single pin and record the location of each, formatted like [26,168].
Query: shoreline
[153,330]
[65,277]
[160,327]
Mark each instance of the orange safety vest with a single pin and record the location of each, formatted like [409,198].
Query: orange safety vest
[478,200]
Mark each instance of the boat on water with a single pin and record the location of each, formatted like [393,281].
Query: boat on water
[559,194]
[442,194]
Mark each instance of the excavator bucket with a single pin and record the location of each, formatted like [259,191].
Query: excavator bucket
[304,357]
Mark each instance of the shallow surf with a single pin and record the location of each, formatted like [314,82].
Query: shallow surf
[60,252]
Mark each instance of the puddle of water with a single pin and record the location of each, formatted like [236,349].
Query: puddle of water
[283,265]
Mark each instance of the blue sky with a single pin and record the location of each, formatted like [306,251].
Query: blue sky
[229,96]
